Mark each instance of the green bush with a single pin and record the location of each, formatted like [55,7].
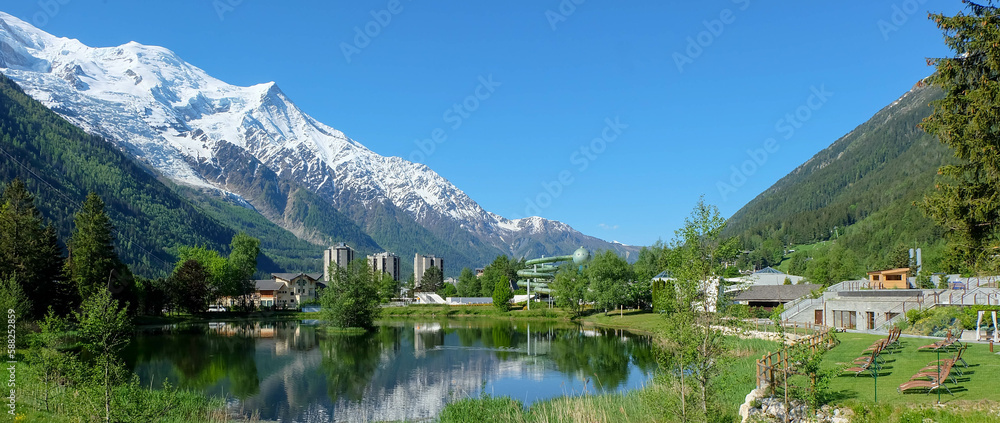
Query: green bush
[970,313]
[936,321]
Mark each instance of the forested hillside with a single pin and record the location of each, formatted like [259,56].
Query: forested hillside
[859,193]
[60,164]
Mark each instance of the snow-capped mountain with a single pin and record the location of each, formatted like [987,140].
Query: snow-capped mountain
[199,131]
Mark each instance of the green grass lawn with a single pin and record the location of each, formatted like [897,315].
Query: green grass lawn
[980,380]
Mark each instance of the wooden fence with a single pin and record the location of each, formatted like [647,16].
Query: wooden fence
[776,363]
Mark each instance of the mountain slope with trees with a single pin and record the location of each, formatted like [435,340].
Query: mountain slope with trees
[860,192]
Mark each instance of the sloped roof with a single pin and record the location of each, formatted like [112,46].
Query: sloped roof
[290,276]
[779,293]
[769,271]
[267,285]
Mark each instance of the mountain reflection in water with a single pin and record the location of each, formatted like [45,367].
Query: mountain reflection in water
[405,370]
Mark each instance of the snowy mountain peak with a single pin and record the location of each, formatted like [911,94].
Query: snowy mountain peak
[184,123]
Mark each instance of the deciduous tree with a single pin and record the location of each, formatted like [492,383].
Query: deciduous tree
[351,300]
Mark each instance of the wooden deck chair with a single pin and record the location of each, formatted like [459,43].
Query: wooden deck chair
[930,385]
[957,358]
[944,362]
[939,373]
[862,367]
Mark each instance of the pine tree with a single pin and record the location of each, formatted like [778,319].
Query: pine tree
[92,263]
[29,250]
[966,201]
[432,280]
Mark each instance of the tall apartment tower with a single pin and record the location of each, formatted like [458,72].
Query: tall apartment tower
[385,262]
[339,254]
[422,263]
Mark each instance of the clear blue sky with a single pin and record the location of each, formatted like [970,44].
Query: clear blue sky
[561,74]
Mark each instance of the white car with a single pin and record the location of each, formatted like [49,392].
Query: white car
[216,308]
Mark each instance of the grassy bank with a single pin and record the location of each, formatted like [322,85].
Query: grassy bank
[82,401]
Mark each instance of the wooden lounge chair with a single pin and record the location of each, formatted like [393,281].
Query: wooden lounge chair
[945,343]
[940,372]
[864,366]
[876,354]
[930,385]
[957,358]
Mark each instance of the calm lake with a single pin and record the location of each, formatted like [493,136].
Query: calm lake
[407,370]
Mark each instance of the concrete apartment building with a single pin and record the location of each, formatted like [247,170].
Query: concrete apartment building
[422,263]
[385,262]
[339,255]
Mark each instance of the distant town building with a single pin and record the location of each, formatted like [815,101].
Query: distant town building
[284,290]
[340,255]
[385,262]
[422,263]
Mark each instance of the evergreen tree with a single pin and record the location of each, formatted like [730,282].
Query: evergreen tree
[29,250]
[502,296]
[432,280]
[93,265]
[966,201]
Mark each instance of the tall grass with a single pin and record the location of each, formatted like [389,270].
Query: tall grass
[82,401]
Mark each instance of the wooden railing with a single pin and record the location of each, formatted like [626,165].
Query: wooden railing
[774,363]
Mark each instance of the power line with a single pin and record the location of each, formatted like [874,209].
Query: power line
[76,203]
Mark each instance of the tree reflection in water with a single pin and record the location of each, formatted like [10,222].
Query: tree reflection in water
[403,371]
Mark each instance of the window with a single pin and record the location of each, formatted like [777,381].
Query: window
[845,319]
